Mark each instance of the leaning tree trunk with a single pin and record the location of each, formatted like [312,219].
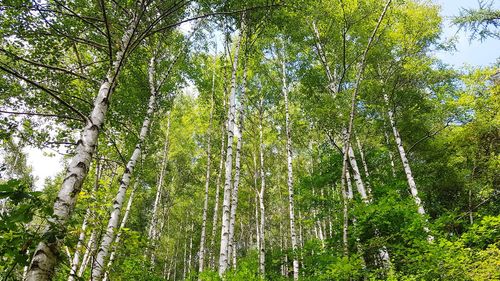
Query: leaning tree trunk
[289,156]
[234,194]
[224,243]
[331,76]
[108,238]
[45,256]
[359,78]
[120,231]
[201,260]
[406,164]
[357,176]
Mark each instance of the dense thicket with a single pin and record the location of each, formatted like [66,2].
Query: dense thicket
[245,140]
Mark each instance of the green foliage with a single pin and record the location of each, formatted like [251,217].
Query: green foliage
[21,207]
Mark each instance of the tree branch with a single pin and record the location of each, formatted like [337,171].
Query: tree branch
[51,92]
[56,68]
[108,33]
[429,135]
[40,114]
[209,15]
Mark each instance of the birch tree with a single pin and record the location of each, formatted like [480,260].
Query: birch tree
[223,258]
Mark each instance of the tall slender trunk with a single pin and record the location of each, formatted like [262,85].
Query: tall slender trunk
[153,225]
[291,203]
[190,255]
[350,124]
[262,248]
[363,159]
[184,264]
[92,243]
[89,249]
[237,166]
[224,243]
[108,238]
[120,231]
[346,195]
[81,238]
[391,157]
[406,164]
[256,188]
[216,199]
[76,257]
[201,260]
[332,77]
[45,256]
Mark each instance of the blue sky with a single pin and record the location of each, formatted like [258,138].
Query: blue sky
[472,53]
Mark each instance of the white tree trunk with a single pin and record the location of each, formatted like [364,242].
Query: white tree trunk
[332,84]
[190,255]
[91,245]
[237,166]
[120,231]
[45,256]
[216,199]
[357,176]
[224,244]
[289,156]
[153,225]
[108,238]
[262,248]
[88,252]
[81,239]
[363,159]
[201,260]
[406,164]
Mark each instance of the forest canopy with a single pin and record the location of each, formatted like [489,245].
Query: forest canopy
[247,140]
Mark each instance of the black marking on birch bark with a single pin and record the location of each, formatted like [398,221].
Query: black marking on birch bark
[105,100]
[94,127]
[72,175]
[82,165]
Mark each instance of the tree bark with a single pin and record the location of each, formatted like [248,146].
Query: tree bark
[357,176]
[406,164]
[237,166]
[120,231]
[201,260]
[216,199]
[289,156]
[331,77]
[153,225]
[45,256]
[262,248]
[108,238]
[224,244]
[81,238]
